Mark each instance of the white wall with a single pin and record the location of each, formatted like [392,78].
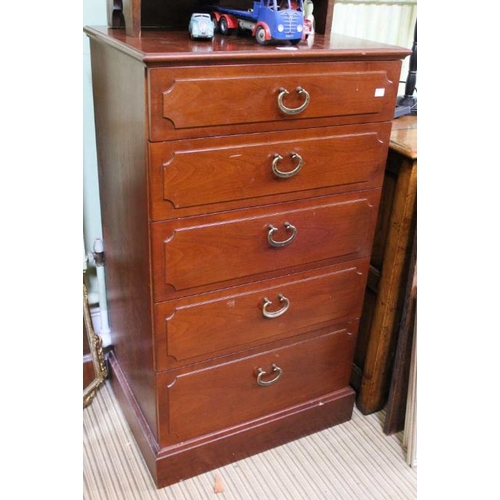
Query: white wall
[386,21]
[94,14]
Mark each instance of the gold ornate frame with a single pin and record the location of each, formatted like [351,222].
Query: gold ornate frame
[95,345]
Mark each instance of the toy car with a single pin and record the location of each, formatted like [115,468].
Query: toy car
[201,26]
[268,21]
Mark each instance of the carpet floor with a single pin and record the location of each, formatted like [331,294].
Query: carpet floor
[351,461]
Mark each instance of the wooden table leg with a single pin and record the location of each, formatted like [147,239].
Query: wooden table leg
[375,381]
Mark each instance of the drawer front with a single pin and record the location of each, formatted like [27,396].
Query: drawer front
[210,399]
[195,255]
[201,176]
[193,329]
[218,100]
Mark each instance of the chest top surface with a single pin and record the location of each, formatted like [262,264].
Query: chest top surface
[163,47]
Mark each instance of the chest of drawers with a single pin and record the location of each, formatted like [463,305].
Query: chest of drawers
[239,190]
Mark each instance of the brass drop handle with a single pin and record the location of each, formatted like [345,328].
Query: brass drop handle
[293,111]
[286,175]
[278,244]
[275,314]
[265,383]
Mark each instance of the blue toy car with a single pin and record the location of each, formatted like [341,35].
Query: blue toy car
[201,26]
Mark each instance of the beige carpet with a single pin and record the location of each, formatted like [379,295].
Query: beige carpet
[352,461]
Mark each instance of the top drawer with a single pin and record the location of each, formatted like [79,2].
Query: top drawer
[200,101]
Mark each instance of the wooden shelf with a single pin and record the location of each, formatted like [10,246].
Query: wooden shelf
[134,15]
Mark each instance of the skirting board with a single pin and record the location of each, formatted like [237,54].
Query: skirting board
[175,463]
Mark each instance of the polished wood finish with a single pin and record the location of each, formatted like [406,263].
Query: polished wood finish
[201,175]
[193,264]
[132,15]
[232,320]
[344,94]
[121,133]
[167,48]
[380,321]
[323,16]
[236,248]
[207,399]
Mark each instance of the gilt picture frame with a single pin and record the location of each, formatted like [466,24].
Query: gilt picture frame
[97,354]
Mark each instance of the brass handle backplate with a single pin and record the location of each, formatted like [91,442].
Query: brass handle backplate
[278,244]
[293,111]
[286,175]
[279,312]
[265,383]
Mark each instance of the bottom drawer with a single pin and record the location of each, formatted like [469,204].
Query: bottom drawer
[214,398]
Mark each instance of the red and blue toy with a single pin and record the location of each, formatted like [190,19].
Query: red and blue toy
[267,21]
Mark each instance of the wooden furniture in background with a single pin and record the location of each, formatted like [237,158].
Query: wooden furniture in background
[389,266]
[398,393]
[239,189]
[133,15]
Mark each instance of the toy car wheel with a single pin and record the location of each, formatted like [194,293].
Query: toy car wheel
[224,26]
[216,25]
[260,36]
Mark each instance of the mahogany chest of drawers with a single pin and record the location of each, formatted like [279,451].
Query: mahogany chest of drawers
[239,191]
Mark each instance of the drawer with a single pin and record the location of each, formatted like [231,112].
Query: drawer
[201,253]
[214,398]
[213,324]
[206,175]
[223,100]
